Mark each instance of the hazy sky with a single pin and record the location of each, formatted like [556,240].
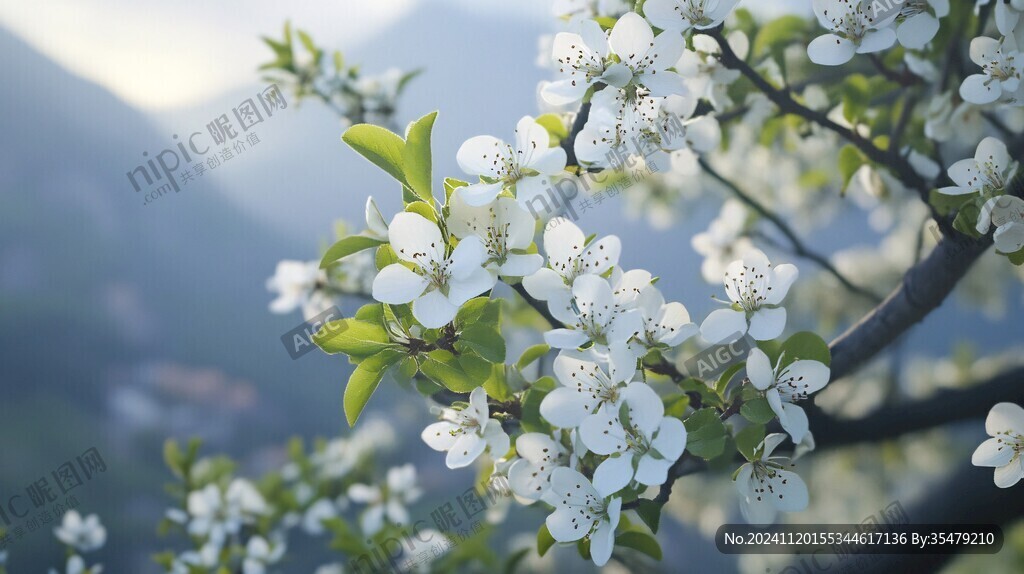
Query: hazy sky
[158,55]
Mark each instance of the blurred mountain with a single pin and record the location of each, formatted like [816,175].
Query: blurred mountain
[112,309]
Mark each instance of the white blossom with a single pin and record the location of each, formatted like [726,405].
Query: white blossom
[583,59]
[1007,14]
[82,535]
[506,230]
[569,257]
[989,170]
[664,324]
[216,514]
[705,75]
[585,388]
[853,29]
[299,284]
[259,553]
[722,241]
[642,447]
[758,290]
[765,486]
[525,167]
[681,15]
[599,320]
[784,386]
[581,512]
[388,503]
[919,22]
[1006,213]
[1000,77]
[539,455]
[1005,424]
[76,565]
[440,283]
[467,433]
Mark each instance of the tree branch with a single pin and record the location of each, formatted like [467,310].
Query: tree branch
[943,408]
[796,244]
[787,105]
[925,286]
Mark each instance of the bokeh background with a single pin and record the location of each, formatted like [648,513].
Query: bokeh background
[123,324]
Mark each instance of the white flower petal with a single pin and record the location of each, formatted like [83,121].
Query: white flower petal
[993,452]
[440,436]
[767,324]
[724,325]
[613,475]
[434,310]
[397,285]
[465,450]
[831,50]
[759,369]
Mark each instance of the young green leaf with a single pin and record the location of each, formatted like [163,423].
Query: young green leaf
[364,381]
[353,337]
[416,157]
[748,439]
[705,434]
[444,369]
[641,542]
[485,339]
[347,246]
[650,512]
[544,540]
[383,148]
[757,411]
[806,346]
[532,354]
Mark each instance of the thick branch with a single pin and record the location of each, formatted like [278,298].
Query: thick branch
[968,496]
[925,286]
[945,407]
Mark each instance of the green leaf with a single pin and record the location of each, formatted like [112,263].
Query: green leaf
[385,256]
[705,434]
[966,221]
[856,97]
[532,354]
[641,542]
[496,386]
[347,246]
[364,382]
[422,208]
[450,185]
[353,337]
[442,367]
[174,458]
[850,160]
[544,540]
[779,33]
[555,127]
[485,340]
[475,367]
[417,158]
[676,405]
[532,421]
[1016,258]
[723,381]
[945,203]
[650,512]
[806,346]
[748,439]
[383,148]
[757,411]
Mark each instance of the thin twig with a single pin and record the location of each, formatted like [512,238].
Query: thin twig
[797,245]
